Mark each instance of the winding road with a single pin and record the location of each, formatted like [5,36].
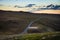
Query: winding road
[24,32]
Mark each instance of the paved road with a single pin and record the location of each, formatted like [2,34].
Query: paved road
[25,31]
[45,29]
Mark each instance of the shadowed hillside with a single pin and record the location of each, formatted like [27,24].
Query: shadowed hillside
[13,22]
[47,23]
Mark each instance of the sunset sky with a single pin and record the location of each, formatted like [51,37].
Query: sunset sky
[25,2]
[9,4]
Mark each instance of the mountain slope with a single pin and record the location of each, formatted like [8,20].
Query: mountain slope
[13,22]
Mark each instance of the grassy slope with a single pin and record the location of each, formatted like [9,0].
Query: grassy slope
[16,22]
[37,36]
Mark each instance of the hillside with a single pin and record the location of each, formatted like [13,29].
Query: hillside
[35,36]
[14,22]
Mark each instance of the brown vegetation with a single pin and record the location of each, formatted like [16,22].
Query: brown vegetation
[13,22]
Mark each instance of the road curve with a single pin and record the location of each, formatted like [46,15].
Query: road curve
[25,31]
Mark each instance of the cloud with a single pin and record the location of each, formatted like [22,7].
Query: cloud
[51,6]
[30,5]
[1,5]
[17,6]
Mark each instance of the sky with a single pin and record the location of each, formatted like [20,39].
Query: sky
[26,2]
[10,4]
